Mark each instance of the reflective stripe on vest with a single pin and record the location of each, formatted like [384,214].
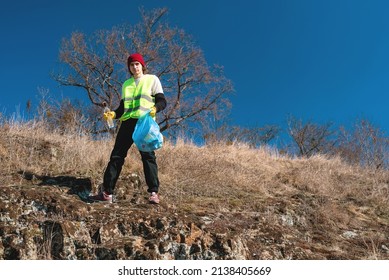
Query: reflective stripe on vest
[137,98]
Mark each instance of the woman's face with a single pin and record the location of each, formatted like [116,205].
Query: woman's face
[136,68]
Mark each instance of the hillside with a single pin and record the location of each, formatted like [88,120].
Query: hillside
[217,202]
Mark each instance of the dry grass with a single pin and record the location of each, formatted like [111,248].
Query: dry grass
[227,174]
[30,146]
[318,193]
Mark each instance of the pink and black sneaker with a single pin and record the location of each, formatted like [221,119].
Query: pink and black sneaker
[101,197]
[154,198]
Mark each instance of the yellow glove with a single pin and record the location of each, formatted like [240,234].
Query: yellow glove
[153,111]
[109,115]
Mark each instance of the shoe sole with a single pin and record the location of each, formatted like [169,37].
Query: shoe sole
[153,202]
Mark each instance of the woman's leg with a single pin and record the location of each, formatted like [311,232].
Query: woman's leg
[123,143]
[150,169]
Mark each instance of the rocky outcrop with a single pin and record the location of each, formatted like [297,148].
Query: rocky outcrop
[49,218]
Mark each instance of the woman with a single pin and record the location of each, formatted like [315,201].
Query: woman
[141,93]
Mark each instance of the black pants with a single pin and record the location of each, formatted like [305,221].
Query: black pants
[123,143]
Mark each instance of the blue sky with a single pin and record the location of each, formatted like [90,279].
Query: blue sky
[316,60]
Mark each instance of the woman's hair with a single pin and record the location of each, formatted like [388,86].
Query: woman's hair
[145,70]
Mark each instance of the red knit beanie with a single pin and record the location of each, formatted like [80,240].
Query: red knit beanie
[135,57]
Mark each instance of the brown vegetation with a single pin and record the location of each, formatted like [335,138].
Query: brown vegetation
[280,207]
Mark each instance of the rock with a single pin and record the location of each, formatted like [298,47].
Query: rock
[349,234]
[287,220]
[50,222]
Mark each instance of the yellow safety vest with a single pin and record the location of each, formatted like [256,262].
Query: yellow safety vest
[137,98]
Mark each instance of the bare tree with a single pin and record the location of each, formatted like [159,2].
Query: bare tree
[97,64]
[63,115]
[215,130]
[311,138]
[365,145]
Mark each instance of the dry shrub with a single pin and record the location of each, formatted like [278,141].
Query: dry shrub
[218,175]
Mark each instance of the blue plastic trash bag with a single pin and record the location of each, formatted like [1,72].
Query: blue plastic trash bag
[147,136]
